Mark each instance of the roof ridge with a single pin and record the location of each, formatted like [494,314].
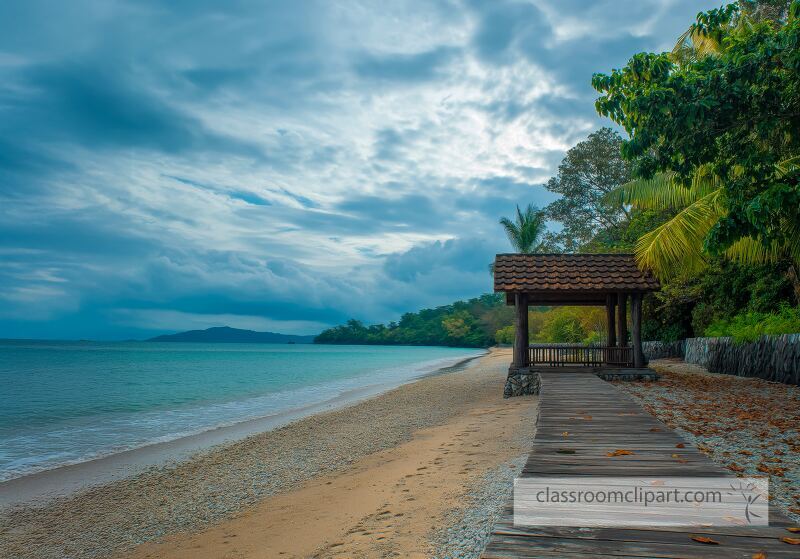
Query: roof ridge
[571,273]
[564,254]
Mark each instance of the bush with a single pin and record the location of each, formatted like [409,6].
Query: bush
[748,327]
[505,335]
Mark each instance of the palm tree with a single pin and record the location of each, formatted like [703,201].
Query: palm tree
[676,246]
[706,36]
[526,233]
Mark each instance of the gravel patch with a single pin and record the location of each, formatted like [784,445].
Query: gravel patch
[748,425]
[467,529]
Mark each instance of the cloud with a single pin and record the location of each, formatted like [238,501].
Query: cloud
[98,108]
[404,67]
[168,165]
[459,255]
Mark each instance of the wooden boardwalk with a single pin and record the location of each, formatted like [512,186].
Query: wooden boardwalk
[599,418]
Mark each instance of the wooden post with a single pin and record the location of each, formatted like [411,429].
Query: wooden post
[636,329]
[622,319]
[612,331]
[521,327]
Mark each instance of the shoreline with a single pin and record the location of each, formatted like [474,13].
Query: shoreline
[416,450]
[62,481]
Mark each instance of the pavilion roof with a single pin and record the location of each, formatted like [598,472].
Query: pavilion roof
[570,274]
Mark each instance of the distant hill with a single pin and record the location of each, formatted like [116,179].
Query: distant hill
[225,334]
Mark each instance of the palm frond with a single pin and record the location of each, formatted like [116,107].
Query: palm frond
[788,165]
[676,246]
[664,192]
[693,45]
[512,232]
[525,235]
[748,250]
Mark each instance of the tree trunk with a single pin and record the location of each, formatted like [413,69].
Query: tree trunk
[791,273]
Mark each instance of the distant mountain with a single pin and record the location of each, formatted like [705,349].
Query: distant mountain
[225,334]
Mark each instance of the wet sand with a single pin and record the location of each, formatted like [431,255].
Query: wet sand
[379,478]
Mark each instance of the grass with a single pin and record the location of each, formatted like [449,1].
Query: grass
[748,327]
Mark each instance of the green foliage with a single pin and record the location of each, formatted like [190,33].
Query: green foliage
[505,335]
[729,288]
[562,327]
[567,325]
[667,314]
[731,107]
[590,170]
[527,231]
[470,323]
[749,326]
[686,306]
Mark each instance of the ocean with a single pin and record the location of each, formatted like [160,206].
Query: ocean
[68,402]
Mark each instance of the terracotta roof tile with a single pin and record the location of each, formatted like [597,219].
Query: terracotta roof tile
[570,272]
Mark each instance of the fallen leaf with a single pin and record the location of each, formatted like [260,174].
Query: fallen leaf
[654,429]
[619,452]
[735,467]
[565,434]
[680,445]
[794,530]
[760,555]
[791,541]
[704,539]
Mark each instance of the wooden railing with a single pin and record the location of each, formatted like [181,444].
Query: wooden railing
[588,356]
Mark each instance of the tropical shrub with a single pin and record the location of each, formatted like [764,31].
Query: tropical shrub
[505,335]
[749,326]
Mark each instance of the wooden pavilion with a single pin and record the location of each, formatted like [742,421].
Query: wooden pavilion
[607,280]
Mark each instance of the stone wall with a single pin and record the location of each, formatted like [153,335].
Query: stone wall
[660,350]
[775,358]
[521,382]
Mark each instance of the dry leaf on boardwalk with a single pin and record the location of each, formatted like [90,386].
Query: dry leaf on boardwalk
[680,445]
[705,540]
[794,530]
[792,541]
[620,452]
[760,555]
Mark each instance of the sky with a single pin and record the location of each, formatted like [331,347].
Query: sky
[284,166]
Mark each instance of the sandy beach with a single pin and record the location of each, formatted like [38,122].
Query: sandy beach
[418,471]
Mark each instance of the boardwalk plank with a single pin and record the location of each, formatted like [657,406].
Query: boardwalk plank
[581,419]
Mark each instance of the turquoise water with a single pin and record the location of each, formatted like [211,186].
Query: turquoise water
[67,402]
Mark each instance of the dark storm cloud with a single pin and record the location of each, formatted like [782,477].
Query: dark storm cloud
[461,255]
[281,161]
[99,108]
[502,23]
